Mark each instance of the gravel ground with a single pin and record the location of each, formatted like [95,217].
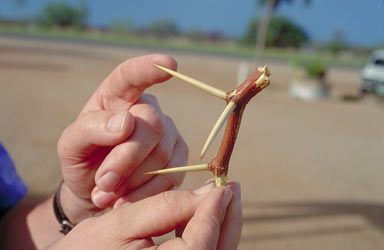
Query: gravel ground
[312,173]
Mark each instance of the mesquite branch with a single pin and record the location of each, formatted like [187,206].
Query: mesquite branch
[240,97]
[236,102]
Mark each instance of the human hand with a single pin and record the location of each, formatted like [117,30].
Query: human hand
[210,219]
[119,135]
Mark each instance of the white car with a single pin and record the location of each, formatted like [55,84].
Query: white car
[373,74]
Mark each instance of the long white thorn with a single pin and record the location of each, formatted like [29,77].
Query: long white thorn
[220,122]
[192,168]
[207,88]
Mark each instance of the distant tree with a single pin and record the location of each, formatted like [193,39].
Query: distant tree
[215,35]
[122,26]
[337,43]
[284,33]
[281,33]
[164,28]
[250,36]
[195,35]
[271,6]
[63,15]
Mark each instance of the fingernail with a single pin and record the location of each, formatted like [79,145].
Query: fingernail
[108,182]
[227,196]
[174,188]
[204,189]
[116,122]
[209,181]
[126,204]
[102,199]
[122,202]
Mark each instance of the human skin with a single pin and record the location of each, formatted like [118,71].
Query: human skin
[120,130]
[119,135]
[210,219]
[207,218]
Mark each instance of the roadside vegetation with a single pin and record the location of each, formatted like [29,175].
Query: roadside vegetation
[284,40]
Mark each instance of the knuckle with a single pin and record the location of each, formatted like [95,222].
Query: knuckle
[155,121]
[90,122]
[62,144]
[151,114]
[122,69]
[170,122]
[151,99]
[180,153]
[163,154]
[170,126]
[133,159]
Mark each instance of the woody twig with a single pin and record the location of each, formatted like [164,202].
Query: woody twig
[236,102]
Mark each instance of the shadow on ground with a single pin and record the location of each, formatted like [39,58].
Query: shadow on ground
[372,213]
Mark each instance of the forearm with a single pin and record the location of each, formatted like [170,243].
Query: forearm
[30,225]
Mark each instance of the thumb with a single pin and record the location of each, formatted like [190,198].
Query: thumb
[203,230]
[91,131]
[157,214]
[202,212]
[128,81]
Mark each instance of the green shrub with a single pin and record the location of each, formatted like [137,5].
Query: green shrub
[281,33]
[164,28]
[336,47]
[121,27]
[61,14]
[315,68]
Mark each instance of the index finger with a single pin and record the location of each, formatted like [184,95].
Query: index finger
[128,81]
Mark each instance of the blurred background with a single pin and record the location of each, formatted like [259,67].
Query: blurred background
[310,152]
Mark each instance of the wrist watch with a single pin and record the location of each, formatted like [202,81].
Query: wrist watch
[65,224]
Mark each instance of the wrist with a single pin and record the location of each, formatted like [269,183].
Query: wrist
[76,209]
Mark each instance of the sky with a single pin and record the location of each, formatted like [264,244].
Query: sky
[361,22]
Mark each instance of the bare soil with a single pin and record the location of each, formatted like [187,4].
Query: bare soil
[312,173]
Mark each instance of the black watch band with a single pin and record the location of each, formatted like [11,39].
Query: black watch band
[65,224]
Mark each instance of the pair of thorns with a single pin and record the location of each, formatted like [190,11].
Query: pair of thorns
[236,101]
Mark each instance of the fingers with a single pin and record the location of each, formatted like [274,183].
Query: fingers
[92,130]
[230,231]
[159,183]
[205,211]
[126,83]
[203,230]
[170,151]
[161,213]
[124,158]
[232,225]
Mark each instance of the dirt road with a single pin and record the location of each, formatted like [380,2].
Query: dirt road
[312,173]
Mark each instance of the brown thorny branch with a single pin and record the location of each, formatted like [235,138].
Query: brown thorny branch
[236,100]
